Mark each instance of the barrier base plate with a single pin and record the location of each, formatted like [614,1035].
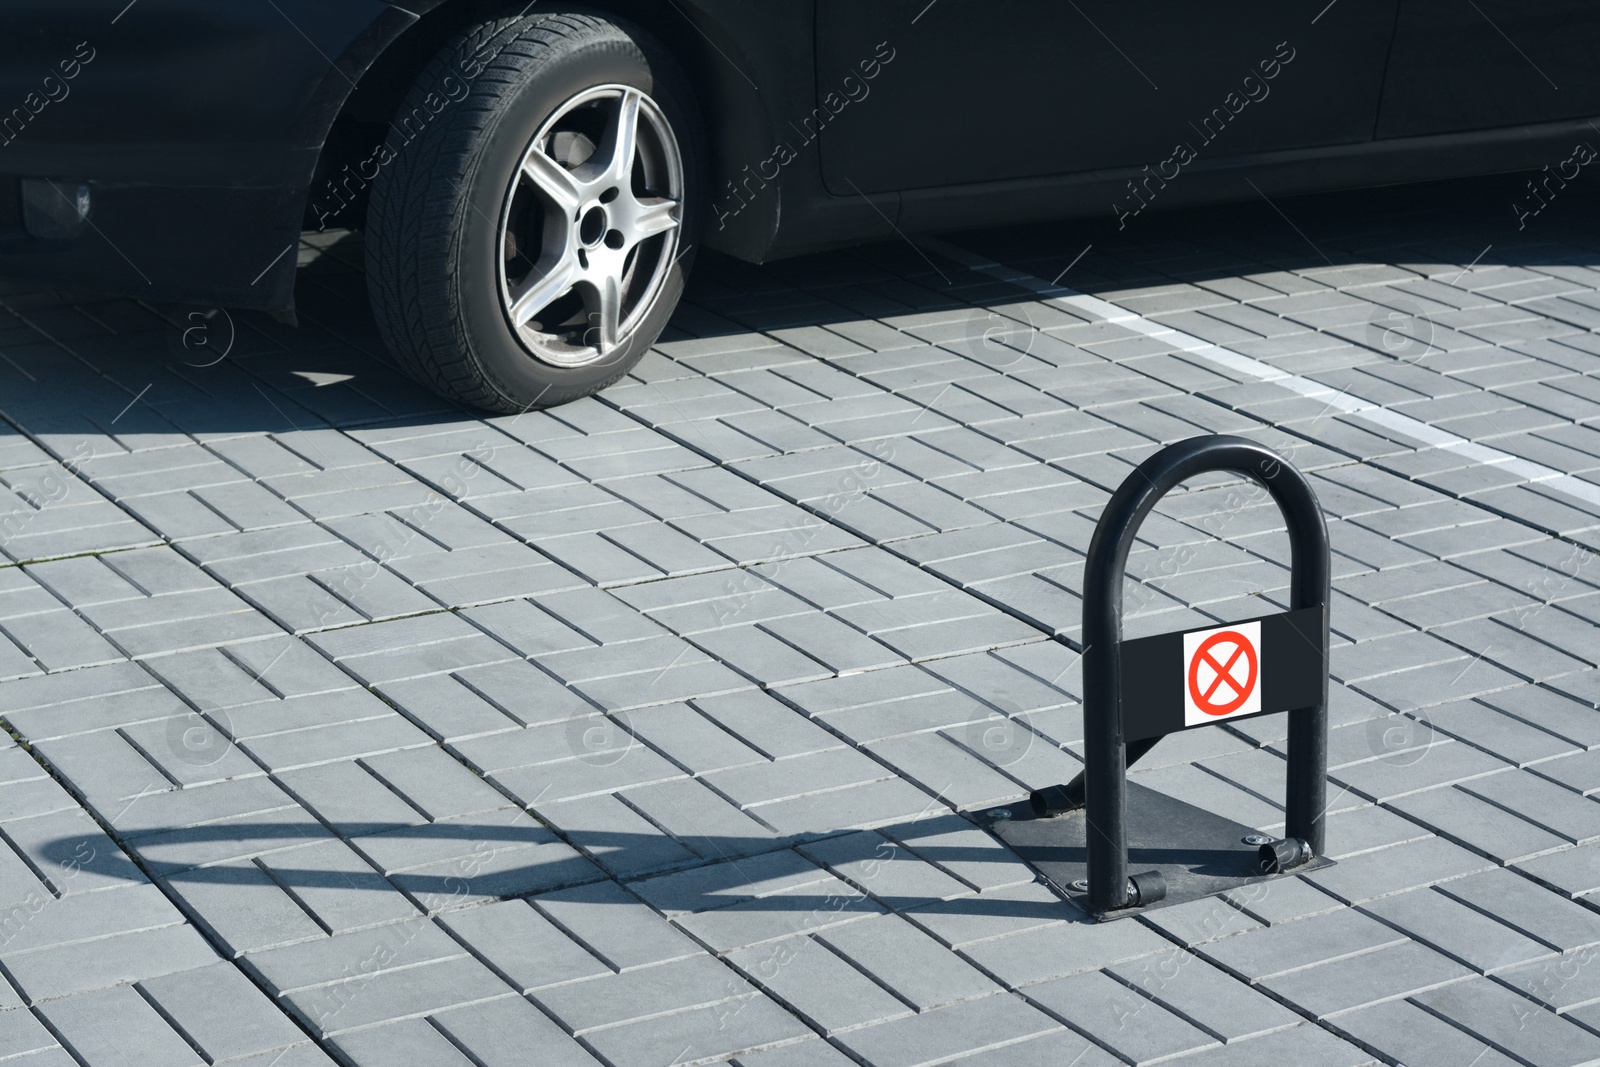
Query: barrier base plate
[1198,853]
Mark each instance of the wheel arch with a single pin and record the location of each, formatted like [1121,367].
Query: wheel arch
[702,34]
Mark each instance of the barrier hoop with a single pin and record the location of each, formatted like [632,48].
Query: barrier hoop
[1136,692]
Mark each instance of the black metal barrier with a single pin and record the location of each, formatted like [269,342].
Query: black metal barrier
[1136,692]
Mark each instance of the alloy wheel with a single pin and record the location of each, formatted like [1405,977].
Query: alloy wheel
[590,226]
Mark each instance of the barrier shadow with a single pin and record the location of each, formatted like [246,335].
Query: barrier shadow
[494,845]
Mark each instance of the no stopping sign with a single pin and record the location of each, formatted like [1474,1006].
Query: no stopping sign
[1222,673]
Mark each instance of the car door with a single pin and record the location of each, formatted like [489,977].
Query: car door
[913,94]
[1463,65]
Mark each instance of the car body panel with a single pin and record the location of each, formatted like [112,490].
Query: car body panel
[198,176]
[988,90]
[1492,63]
[162,83]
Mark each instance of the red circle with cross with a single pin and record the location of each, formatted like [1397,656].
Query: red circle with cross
[1208,699]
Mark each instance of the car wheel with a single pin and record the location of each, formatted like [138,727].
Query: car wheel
[530,230]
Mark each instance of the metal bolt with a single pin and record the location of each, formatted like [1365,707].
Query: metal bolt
[1256,839]
[999,813]
[1081,885]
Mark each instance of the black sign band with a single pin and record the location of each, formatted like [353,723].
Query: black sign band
[1160,692]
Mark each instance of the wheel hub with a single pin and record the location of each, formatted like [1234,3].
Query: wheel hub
[592,226]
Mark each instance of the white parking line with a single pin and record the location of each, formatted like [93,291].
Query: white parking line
[1265,372]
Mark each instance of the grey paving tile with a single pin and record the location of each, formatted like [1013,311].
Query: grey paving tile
[72,853]
[960,849]
[349,799]
[339,741]
[947,769]
[241,907]
[1547,805]
[1288,948]
[610,1000]
[893,875]
[43,921]
[1378,873]
[675,682]
[588,773]
[888,802]
[24,1034]
[1306,1041]
[1065,948]
[802,775]
[112,1024]
[112,769]
[447,709]
[413,1039]
[693,740]
[780,915]
[296,724]
[535,632]
[702,820]
[714,1031]
[1562,924]
[942,1034]
[1058,1046]
[1205,996]
[766,724]
[1505,735]
[434,784]
[815,1053]
[1574,872]
[1387,973]
[1563,985]
[818,985]
[59,640]
[219,1010]
[874,690]
[1368,827]
[1400,1028]
[30,792]
[1199,921]
[908,962]
[1509,1021]
[1482,826]
[522,945]
[615,925]
[289,667]
[383,996]
[336,886]
[1464,934]
[61,970]
[449,864]
[615,835]
[500,1033]
[1133,1026]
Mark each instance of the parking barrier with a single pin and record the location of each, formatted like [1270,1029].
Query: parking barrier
[1136,692]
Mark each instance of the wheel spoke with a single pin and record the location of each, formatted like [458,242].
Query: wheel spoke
[554,180]
[622,140]
[655,216]
[609,312]
[540,292]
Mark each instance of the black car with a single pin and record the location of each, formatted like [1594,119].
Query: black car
[534,178]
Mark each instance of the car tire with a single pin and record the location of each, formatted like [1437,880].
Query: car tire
[533,218]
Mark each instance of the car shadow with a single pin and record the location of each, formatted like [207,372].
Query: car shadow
[191,370]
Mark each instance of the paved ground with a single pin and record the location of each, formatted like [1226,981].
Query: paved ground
[641,732]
